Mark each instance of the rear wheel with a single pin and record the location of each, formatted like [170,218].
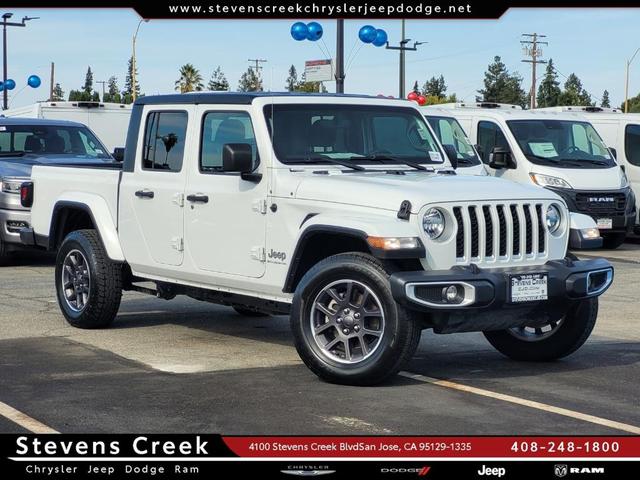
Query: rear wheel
[347,327]
[88,283]
[613,240]
[548,342]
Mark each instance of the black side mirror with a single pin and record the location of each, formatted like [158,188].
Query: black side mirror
[452,155]
[118,154]
[614,153]
[238,157]
[500,158]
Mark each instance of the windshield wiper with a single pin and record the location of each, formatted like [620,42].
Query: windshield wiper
[344,163]
[582,160]
[12,154]
[382,158]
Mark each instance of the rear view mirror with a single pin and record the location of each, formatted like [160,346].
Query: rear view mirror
[614,153]
[500,158]
[118,154]
[452,155]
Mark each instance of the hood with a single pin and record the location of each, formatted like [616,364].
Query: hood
[387,191]
[21,166]
[584,178]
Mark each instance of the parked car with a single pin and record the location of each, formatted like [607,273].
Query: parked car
[621,132]
[109,121]
[342,211]
[28,142]
[455,140]
[560,151]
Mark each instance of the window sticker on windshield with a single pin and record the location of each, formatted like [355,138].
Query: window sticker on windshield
[3,129]
[435,156]
[543,149]
[423,133]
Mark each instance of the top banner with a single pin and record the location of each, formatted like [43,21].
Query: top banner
[281,9]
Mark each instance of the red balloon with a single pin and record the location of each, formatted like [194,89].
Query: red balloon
[421,100]
[391,96]
[412,96]
[381,95]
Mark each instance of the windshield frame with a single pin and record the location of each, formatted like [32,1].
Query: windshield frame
[558,160]
[466,162]
[381,162]
[86,131]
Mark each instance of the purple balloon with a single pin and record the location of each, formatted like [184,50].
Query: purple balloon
[299,31]
[381,38]
[367,34]
[314,31]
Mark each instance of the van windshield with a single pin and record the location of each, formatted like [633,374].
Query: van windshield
[350,134]
[450,132]
[50,140]
[562,143]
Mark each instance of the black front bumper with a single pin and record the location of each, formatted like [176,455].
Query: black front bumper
[567,280]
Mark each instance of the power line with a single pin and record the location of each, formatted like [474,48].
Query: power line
[257,66]
[532,49]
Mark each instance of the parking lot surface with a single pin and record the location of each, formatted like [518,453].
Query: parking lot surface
[188,366]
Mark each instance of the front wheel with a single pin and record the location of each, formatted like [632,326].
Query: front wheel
[88,283]
[548,342]
[347,327]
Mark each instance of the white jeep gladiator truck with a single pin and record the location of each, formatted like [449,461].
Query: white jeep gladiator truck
[341,211]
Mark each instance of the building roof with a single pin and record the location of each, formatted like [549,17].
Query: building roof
[233,98]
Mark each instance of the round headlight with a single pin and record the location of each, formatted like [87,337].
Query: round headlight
[553,218]
[433,223]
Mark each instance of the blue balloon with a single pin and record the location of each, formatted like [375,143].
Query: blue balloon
[1,86]
[367,34]
[34,81]
[299,31]
[381,38]
[10,84]
[314,31]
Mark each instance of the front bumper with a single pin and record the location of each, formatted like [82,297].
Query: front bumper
[11,222]
[486,302]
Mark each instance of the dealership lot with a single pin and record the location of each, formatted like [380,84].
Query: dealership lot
[184,365]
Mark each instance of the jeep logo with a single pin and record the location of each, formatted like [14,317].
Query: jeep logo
[601,199]
[278,256]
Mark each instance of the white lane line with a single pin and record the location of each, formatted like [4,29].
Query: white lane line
[24,420]
[625,427]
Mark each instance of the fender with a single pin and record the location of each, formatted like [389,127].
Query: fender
[98,210]
[357,227]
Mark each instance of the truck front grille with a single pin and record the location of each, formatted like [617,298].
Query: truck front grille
[511,231]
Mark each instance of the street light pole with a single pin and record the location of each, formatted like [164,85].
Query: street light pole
[5,24]
[626,83]
[340,56]
[403,48]
[133,60]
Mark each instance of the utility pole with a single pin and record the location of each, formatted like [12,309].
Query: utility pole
[257,67]
[531,49]
[403,48]
[103,82]
[340,56]
[52,82]
[5,24]
[626,83]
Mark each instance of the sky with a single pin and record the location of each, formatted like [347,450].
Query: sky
[593,43]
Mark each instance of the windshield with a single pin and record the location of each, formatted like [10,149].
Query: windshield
[450,132]
[563,143]
[351,134]
[45,140]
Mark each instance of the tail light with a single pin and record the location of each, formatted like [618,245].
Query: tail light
[26,194]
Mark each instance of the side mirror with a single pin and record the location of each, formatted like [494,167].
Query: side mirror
[238,157]
[452,155]
[614,153]
[500,158]
[118,154]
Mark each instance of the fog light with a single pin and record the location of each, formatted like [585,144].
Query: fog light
[453,294]
[590,232]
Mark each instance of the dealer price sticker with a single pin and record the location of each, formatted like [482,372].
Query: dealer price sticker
[530,287]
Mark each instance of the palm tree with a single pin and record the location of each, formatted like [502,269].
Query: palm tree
[190,79]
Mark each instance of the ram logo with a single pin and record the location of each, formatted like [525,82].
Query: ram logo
[601,199]
[560,470]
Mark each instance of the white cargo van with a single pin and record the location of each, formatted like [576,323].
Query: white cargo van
[109,121]
[621,132]
[452,136]
[560,151]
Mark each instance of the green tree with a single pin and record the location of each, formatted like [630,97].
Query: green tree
[435,87]
[88,82]
[605,102]
[501,86]
[634,104]
[190,79]
[218,81]
[549,90]
[113,92]
[309,87]
[58,94]
[415,88]
[292,79]
[250,81]
[574,93]
[129,87]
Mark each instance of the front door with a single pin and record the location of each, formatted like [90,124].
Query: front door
[225,216]
[151,224]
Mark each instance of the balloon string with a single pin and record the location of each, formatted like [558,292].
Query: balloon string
[352,49]
[354,57]
[17,93]
[328,53]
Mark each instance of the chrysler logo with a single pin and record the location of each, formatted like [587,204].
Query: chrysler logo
[307,473]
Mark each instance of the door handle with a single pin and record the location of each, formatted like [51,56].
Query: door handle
[144,194]
[198,198]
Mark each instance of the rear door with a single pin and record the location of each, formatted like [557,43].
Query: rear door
[151,217]
[632,154]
